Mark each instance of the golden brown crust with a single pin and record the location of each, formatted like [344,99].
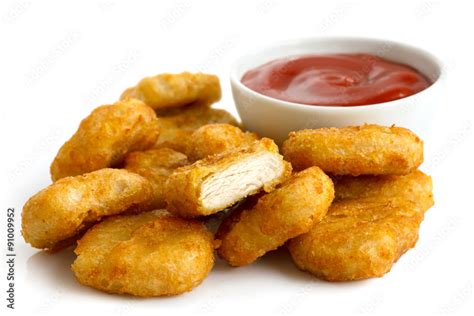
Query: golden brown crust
[178,125]
[289,211]
[61,211]
[156,165]
[367,149]
[415,186]
[358,239]
[105,136]
[183,187]
[150,254]
[176,90]
[214,139]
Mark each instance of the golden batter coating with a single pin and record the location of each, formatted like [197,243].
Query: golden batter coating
[178,125]
[156,165]
[63,210]
[358,239]
[214,139]
[149,254]
[105,136]
[289,211]
[415,186]
[367,149]
[175,90]
[217,182]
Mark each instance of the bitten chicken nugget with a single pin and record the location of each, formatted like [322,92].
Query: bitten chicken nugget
[156,165]
[358,239]
[289,211]
[105,136]
[178,125]
[367,149]
[150,254]
[176,90]
[415,186]
[213,139]
[61,211]
[217,182]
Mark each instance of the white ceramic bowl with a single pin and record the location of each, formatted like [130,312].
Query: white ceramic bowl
[276,118]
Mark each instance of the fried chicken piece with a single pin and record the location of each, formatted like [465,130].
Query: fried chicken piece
[150,254]
[289,211]
[217,182]
[367,149]
[105,137]
[214,139]
[176,90]
[61,211]
[178,125]
[156,165]
[358,239]
[415,186]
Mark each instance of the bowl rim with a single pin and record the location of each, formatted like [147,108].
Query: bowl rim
[235,80]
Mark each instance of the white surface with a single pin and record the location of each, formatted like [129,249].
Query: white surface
[60,60]
[282,117]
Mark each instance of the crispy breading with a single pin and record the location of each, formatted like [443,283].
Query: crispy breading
[219,181]
[367,149]
[358,239]
[156,165]
[415,186]
[178,125]
[176,90]
[62,210]
[289,211]
[149,254]
[214,139]
[105,136]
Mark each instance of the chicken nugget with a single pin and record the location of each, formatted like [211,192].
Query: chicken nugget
[105,136]
[415,186]
[149,254]
[176,90]
[217,182]
[213,139]
[367,149]
[178,125]
[156,165]
[289,211]
[358,239]
[64,209]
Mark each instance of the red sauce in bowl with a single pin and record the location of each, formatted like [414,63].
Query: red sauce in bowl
[335,80]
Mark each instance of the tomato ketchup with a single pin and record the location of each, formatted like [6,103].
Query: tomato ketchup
[335,79]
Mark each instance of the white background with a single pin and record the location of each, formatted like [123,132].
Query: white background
[60,60]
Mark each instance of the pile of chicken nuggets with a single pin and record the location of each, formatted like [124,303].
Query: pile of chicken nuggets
[135,188]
